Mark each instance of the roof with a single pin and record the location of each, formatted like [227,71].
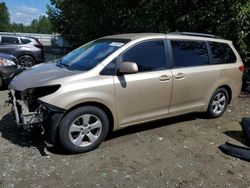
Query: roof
[133,36]
[18,36]
[195,34]
[174,35]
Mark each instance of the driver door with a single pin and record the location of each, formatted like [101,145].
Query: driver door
[144,95]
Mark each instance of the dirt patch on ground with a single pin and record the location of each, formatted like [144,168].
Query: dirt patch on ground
[175,152]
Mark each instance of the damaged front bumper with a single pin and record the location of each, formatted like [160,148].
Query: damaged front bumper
[42,115]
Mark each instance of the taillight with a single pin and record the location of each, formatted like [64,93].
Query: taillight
[38,46]
[242,68]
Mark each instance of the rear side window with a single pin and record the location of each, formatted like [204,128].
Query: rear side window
[149,55]
[222,53]
[25,41]
[189,53]
[10,40]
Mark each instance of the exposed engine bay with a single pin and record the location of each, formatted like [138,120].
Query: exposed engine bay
[29,111]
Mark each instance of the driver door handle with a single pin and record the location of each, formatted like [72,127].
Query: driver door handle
[164,77]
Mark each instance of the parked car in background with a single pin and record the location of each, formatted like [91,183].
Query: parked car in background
[8,68]
[122,80]
[28,50]
[60,45]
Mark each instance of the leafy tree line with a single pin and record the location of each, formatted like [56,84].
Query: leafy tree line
[4,17]
[80,21]
[40,25]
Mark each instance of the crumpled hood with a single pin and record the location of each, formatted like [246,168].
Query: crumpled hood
[40,75]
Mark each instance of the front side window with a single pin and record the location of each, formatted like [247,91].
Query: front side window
[189,53]
[10,40]
[149,56]
[222,53]
[89,55]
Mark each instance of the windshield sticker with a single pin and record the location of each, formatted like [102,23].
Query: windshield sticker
[116,44]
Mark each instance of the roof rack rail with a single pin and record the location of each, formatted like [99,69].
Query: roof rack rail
[196,34]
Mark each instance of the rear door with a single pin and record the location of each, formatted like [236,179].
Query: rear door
[224,58]
[145,95]
[9,44]
[193,76]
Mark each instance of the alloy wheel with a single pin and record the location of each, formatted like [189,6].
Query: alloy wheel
[26,61]
[85,130]
[219,103]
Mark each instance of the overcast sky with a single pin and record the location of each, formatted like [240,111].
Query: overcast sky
[24,11]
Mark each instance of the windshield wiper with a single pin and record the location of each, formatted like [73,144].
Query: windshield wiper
[67,66]
[60,64]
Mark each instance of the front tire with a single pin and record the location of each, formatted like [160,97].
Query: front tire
[83,129]
[218,103]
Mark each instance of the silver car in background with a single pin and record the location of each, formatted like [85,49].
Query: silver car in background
[28,50]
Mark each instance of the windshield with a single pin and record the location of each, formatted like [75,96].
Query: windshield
[89,55]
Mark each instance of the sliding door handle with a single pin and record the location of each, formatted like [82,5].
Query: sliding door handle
[179,75]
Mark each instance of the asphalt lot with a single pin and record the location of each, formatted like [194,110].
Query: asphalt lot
[175,152]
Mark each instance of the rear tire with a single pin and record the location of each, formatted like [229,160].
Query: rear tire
[218,103]
[26,61]
[83,129]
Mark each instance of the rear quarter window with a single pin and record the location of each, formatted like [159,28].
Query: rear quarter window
[222,53]
[25,41]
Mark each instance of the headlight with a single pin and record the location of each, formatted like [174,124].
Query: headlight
[6,62]
[43,91]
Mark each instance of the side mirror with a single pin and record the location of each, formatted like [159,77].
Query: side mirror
[128,68]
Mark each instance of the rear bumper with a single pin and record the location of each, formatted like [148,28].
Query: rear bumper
[39,56]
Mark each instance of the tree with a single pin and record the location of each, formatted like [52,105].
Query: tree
[40,25]
[4,17]
[80,21]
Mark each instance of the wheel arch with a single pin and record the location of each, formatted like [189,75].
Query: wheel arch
[52,131]
[31,55]
[99,105]
[229,90]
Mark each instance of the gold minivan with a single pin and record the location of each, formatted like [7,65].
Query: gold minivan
[127,79]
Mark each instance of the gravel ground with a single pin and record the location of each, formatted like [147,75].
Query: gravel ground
[175,152]
[50,56]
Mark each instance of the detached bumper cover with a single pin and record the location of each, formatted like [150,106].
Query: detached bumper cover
[239,151]
[245,123]
[236,151]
